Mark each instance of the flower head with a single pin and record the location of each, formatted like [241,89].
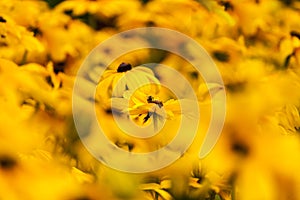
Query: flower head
[145,108]
[115,82]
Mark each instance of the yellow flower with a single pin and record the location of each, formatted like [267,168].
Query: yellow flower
[183,67]
[64,37]
[79,7]
[207,91]
[17,43]
[256,46]
[204,180]
[221,22]
[114,83]
[144,108]
[157,190]
[289,50]
[263,172]
[289,119]
[252,17]
[24,17]
[100,9]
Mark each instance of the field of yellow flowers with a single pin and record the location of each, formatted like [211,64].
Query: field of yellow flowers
[255,45]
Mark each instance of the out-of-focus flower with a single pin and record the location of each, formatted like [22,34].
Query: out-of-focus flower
[289,50]
[207,91]
[186,69]
[66,38]
[252,17]
[24,17]
[17,43]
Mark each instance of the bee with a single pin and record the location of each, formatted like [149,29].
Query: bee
[149,114]
[150,99]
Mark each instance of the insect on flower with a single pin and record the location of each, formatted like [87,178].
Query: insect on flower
[144,108]
[150,99]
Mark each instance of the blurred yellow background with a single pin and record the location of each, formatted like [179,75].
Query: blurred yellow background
[256,47]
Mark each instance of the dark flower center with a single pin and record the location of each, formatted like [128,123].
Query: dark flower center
[7,162]
[2,19]
[123,67]
[295,34]
[221,56]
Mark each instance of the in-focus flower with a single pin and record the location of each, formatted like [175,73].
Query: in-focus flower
[289,119]
[208,183]
[157,190]
[144,108]
[114,83]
